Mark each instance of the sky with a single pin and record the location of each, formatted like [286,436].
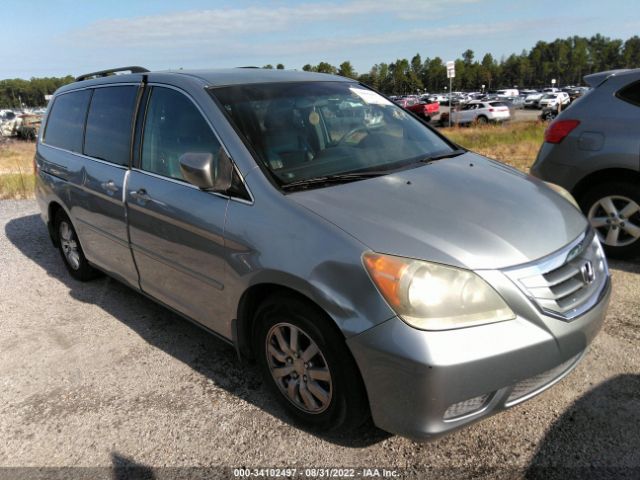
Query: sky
[60,37]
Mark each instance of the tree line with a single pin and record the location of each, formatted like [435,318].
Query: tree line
[567,60]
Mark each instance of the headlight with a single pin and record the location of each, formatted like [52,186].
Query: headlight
[430,296]
[564,193]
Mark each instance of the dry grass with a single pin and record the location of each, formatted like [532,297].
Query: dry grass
[16,169]
[515,144]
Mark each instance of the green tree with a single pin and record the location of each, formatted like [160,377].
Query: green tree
[268,66]
[346,70]
[631,52]
[324,67]
[280,66]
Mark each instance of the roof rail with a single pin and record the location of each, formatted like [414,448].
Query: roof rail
[111,71]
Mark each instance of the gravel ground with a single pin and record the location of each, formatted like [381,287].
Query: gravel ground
[96,375]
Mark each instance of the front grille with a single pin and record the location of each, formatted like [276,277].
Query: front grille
[532,385]
[567,283]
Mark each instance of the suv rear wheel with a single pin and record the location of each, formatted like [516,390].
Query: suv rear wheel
[307,365]
[613,210]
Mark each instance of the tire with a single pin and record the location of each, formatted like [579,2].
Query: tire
[613,209]
[482,120]
[71,250]
[342,403]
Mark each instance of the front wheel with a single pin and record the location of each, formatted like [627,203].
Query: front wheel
[307,365]
[613,210]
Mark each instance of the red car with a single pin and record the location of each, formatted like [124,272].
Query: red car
[426,109]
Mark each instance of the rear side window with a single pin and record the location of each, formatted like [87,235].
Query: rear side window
[630,93]
[65,127]
[498,104]
[173,127]
[108,135]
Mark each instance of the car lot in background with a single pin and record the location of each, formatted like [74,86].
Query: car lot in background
[593,150]
[481,112]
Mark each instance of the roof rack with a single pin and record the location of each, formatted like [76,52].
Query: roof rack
[111,71]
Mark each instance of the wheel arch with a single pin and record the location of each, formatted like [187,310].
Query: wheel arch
[602,176]
[52,210]
[252,297]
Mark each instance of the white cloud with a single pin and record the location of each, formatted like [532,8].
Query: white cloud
[195,27]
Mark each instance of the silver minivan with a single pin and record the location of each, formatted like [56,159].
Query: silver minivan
[367,264]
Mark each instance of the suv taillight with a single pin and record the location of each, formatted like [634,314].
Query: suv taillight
[559,129]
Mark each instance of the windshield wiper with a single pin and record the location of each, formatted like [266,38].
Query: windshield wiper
[329,179]
[451,154]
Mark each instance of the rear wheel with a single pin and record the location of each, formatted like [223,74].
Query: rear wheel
[613,210]
[482,120]
[307,365]
[71,250]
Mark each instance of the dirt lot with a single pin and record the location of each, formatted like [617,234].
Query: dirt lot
[95,375]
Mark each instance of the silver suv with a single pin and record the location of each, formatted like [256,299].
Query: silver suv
[368,265]
[592,149]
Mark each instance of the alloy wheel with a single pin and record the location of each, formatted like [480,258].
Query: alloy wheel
[69,245]
[616,219]
[299,368]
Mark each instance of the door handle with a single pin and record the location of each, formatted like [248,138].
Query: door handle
[140,195]
[109,186]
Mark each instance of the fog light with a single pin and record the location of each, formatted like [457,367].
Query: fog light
[468,406]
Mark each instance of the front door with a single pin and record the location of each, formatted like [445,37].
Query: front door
[176,229]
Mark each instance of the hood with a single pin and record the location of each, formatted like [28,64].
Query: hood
[467,211]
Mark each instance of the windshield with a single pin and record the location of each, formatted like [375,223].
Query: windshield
[305,130]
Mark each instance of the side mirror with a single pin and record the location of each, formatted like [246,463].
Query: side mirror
[206,171]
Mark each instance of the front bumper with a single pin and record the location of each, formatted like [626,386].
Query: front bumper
[414,378]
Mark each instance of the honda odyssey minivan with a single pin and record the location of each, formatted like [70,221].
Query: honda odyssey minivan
[367,264]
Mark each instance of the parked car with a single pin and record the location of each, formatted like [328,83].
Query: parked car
[369,268]
[554,100]
[533,100]
[425,109]
[406,102]
[481,112]
[9,121]
[592,150]
[29,126]
[508,92]
[516,103]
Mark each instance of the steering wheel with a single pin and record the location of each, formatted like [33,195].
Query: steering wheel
[350,133]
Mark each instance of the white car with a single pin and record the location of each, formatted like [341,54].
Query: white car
[481,112]
[552,100]
[533,100]
[508,92]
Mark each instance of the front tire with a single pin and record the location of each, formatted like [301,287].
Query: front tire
[71,250]
[307,366]
[613,210]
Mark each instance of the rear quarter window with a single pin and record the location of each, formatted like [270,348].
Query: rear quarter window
[109,123]
[630,93]
[65,126]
